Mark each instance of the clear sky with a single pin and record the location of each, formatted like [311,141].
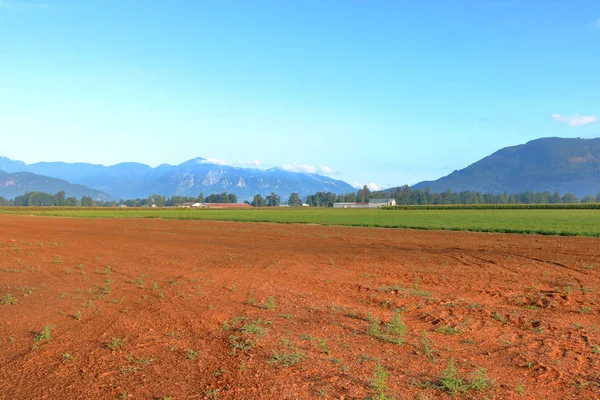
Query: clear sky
[368,91]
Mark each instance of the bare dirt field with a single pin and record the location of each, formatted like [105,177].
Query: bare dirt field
[145,309]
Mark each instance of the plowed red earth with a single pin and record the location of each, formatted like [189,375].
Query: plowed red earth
[196,309]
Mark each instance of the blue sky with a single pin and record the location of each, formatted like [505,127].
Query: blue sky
[381,92]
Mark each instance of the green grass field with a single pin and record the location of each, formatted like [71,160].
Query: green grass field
[548,222]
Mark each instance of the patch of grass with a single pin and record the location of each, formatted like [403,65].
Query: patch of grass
[452,382]
[270,303]
[447,330]
[586,310]
[115,344]
[191,354]
[499,317]
[379,383]
[324,347]
[8,299]
[500,218]
[394,330]
[287,356]
[77,315]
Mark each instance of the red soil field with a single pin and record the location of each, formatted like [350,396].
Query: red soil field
[153,309]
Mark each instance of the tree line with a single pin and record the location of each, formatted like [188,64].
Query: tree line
[403,195]
[406,196]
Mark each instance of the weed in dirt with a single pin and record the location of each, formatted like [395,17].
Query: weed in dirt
[447,330]
[427,349]
[142,361]
[126,370]
[499,317]
[380,383]
[77,315]
[107,287]
[251,300]
[287,356]
[324,347]
[285,316]
[241,344]
[115,344]
[56,260]
[191,354]
[68,271]
[394,330]
[68,356]
[568,289]
[45,334]
[8,299]
[595,349]
[270,303]
[586,310]
[453,383]
[520,389]
[232,288]
[212,394]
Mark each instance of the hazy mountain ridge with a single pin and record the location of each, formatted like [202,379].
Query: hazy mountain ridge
[547,164]
[133,180]
[19,183]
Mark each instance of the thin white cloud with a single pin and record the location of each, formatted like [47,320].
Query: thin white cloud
[575,120]
[372,186]
[310,169]
[217,161]
[22,5]
[250,163]
[238,163]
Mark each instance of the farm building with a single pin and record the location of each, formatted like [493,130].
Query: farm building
[194,205]
[376,203]
[227,205]
[373,203]
[350,205]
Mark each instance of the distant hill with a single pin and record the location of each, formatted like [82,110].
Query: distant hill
[19,183]
[133,180]
[549,164]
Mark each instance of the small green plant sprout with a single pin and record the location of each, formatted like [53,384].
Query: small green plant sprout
[324,347]
[77,315]
[380,383]
[374,328]
[44,335]
[287,356]
[107,270]
[8,299]
[447,330]
[56,260]
[68,356]
[453,383]
[270,303]
[191,354]
[232,288]
[115,344]
[68,271]
[251,300]
[394,330]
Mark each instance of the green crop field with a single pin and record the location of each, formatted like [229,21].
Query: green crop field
[568,222]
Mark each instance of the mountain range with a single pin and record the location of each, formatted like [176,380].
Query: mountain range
[134,180]
[547,164]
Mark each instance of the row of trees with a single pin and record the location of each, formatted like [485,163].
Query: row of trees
[403,196]
[406,196]
[45,199]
